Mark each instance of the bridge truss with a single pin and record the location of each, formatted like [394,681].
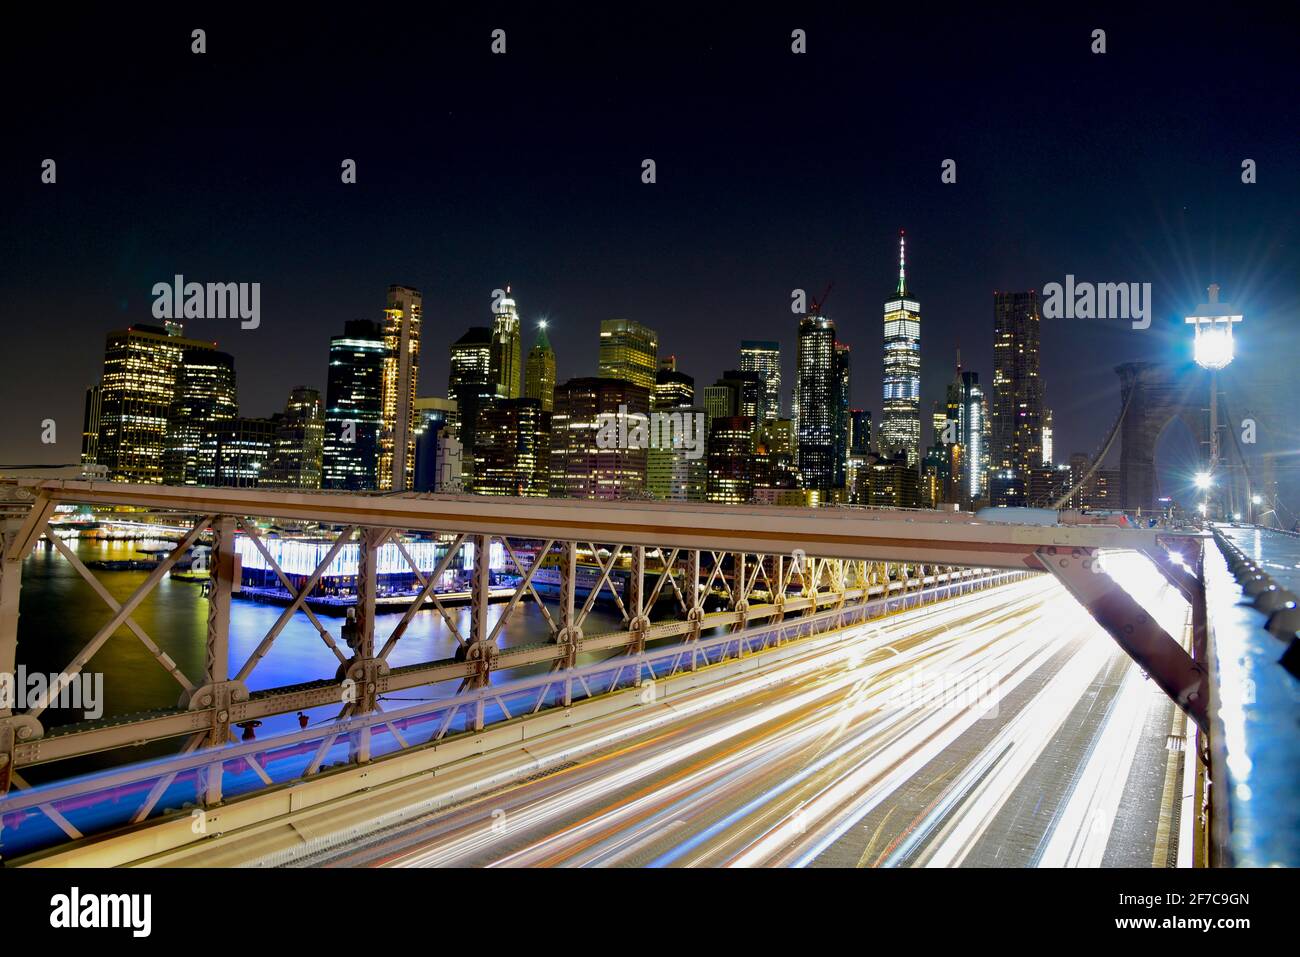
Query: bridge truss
[774,575]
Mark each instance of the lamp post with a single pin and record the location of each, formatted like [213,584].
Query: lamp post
[1212,348]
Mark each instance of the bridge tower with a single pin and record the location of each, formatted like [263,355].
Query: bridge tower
[1160,393]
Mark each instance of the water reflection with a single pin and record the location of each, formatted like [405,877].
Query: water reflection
[60,613]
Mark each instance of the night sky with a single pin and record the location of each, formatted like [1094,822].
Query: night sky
[775,171]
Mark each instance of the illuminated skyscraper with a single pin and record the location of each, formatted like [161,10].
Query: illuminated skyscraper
[900,425]
[731,460]
[402,318]
[720,400]
[629,351]
[751,392]
[471,384]
[580,467]
[843,427]
[1048,450]
[205,398]
[506,348]
[237,453]
[764,358]
[1016,416]
[353,407]
[816,390]
[90,425]
[539,373]
[672,388]
[512,449]
[675,474]
[299,442]
[137,391]
[972,434]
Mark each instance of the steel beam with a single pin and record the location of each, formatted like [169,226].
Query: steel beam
[1133,629]
[917,536]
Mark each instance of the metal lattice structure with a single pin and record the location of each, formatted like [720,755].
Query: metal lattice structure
[755,587]
[702,584]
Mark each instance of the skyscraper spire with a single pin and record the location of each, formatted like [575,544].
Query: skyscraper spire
[902,273]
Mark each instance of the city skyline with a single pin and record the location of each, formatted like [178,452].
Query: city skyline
[1174,212]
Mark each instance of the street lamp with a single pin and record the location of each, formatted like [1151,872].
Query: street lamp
[1212,348]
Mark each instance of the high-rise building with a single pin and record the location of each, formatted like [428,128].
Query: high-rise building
[539,372]
[90,425]
[506,348]
[1016,416]
[471,384]
[972,435]
[900,424]
[751,396]
[720,400]
[843,426]
[402,319]
[859,445]
[205,398]
[890,483]
[433,416]
[731,460]
[137,392]
[674,474]
[764,358]
[673,389]
[298,452]
[816,389]
[629,351]
[860,431]
[936,477]
[512,448]
[1048,450]
[775,449]
[580,467]
[238,453]
[353,407]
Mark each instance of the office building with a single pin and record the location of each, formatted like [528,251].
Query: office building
[1016,412]
[506,347]
[817,390]
[353,407]
[629,351]
[138,391]
[764,358]
[539,371]
[512,448]
[581,467]
[403,314]
[900,425]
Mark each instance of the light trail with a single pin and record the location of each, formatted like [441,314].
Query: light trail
[844,753]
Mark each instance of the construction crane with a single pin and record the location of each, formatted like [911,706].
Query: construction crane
[819,304]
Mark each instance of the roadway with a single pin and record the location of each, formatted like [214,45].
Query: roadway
[1001,729]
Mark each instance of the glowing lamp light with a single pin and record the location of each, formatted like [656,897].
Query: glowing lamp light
[1257,500]
[1212,324]
[1203,480]
[1213,347]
